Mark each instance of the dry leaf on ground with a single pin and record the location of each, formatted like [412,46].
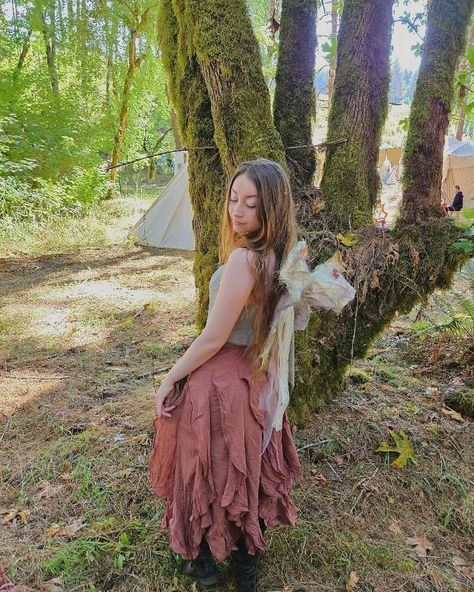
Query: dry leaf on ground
[68,531]
[48,490]
[318,478]
[393,527]
[15,513]
[318,206]
[422,545]
[452,414]
[458,562]
[352,582]
[437,579]
[348,240]
[54,585]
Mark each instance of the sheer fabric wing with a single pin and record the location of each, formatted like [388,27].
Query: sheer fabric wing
[324,288]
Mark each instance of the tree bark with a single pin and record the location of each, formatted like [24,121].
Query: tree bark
[190,100]
[134,64]
[123,118]
[175,126]
[333,62]
[230,63]
[294,104]
[428,123]
[23,54]
[464,91]
[350,181]
[50,48]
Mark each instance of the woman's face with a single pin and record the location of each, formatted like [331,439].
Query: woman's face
[243,205]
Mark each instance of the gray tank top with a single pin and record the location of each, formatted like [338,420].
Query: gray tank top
[242,333]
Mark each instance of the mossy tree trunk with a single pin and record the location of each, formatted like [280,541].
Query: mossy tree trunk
[294,104]
[191,102]
[229,58]
[464,80]
[138,23]
[444,44]
[358,109]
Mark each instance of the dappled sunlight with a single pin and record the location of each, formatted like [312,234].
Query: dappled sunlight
[22,388]
[104,290]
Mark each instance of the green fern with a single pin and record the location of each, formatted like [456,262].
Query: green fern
[456,309]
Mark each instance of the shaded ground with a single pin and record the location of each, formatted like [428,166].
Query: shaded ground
[83,334]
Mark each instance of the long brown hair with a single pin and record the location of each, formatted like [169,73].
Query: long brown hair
[277,233]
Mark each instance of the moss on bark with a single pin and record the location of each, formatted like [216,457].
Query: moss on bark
[190,99]
[359,106]
[405,267]
[295,97]
[229,58]
[423,156]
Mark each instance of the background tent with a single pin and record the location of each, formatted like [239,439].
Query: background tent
[168,222]
[458,169]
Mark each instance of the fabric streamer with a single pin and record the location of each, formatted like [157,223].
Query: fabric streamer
[323,288]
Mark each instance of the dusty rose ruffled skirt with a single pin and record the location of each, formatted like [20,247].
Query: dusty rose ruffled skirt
[207,461]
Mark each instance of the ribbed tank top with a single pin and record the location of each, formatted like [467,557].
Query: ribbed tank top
[242,333]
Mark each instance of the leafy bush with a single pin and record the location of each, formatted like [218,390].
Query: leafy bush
[20,201]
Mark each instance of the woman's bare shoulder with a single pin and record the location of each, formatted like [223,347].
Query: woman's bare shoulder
[242,255]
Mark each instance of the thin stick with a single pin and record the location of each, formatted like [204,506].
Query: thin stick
[120,164]
[321,146]
[313,444]
[25,377]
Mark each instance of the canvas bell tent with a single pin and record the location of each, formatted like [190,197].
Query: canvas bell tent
[168,222]
[458,169]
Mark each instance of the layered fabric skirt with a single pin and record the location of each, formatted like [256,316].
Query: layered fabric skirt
[207,461]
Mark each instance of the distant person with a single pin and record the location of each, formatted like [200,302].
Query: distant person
[458,201]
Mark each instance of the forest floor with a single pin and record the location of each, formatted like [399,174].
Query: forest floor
[83,328]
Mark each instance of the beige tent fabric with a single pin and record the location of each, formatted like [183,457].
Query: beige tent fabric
[168,222]
[458,169]
[394,155]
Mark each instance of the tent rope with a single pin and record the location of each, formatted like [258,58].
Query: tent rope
[321,146]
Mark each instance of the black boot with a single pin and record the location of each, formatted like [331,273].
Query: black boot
[203,568]
[245,566]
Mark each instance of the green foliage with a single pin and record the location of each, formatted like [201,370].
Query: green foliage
[54,141]
[20,201]
[110,544]
[329,49]
[454,314]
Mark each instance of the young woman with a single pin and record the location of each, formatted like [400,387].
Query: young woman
[207,460]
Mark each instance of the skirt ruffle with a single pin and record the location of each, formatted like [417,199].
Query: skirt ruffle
[207,461]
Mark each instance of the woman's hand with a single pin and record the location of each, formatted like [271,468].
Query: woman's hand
[166,389]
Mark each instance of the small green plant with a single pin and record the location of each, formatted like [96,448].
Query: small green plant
[453,313]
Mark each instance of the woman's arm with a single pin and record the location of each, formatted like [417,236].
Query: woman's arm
[232,295]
